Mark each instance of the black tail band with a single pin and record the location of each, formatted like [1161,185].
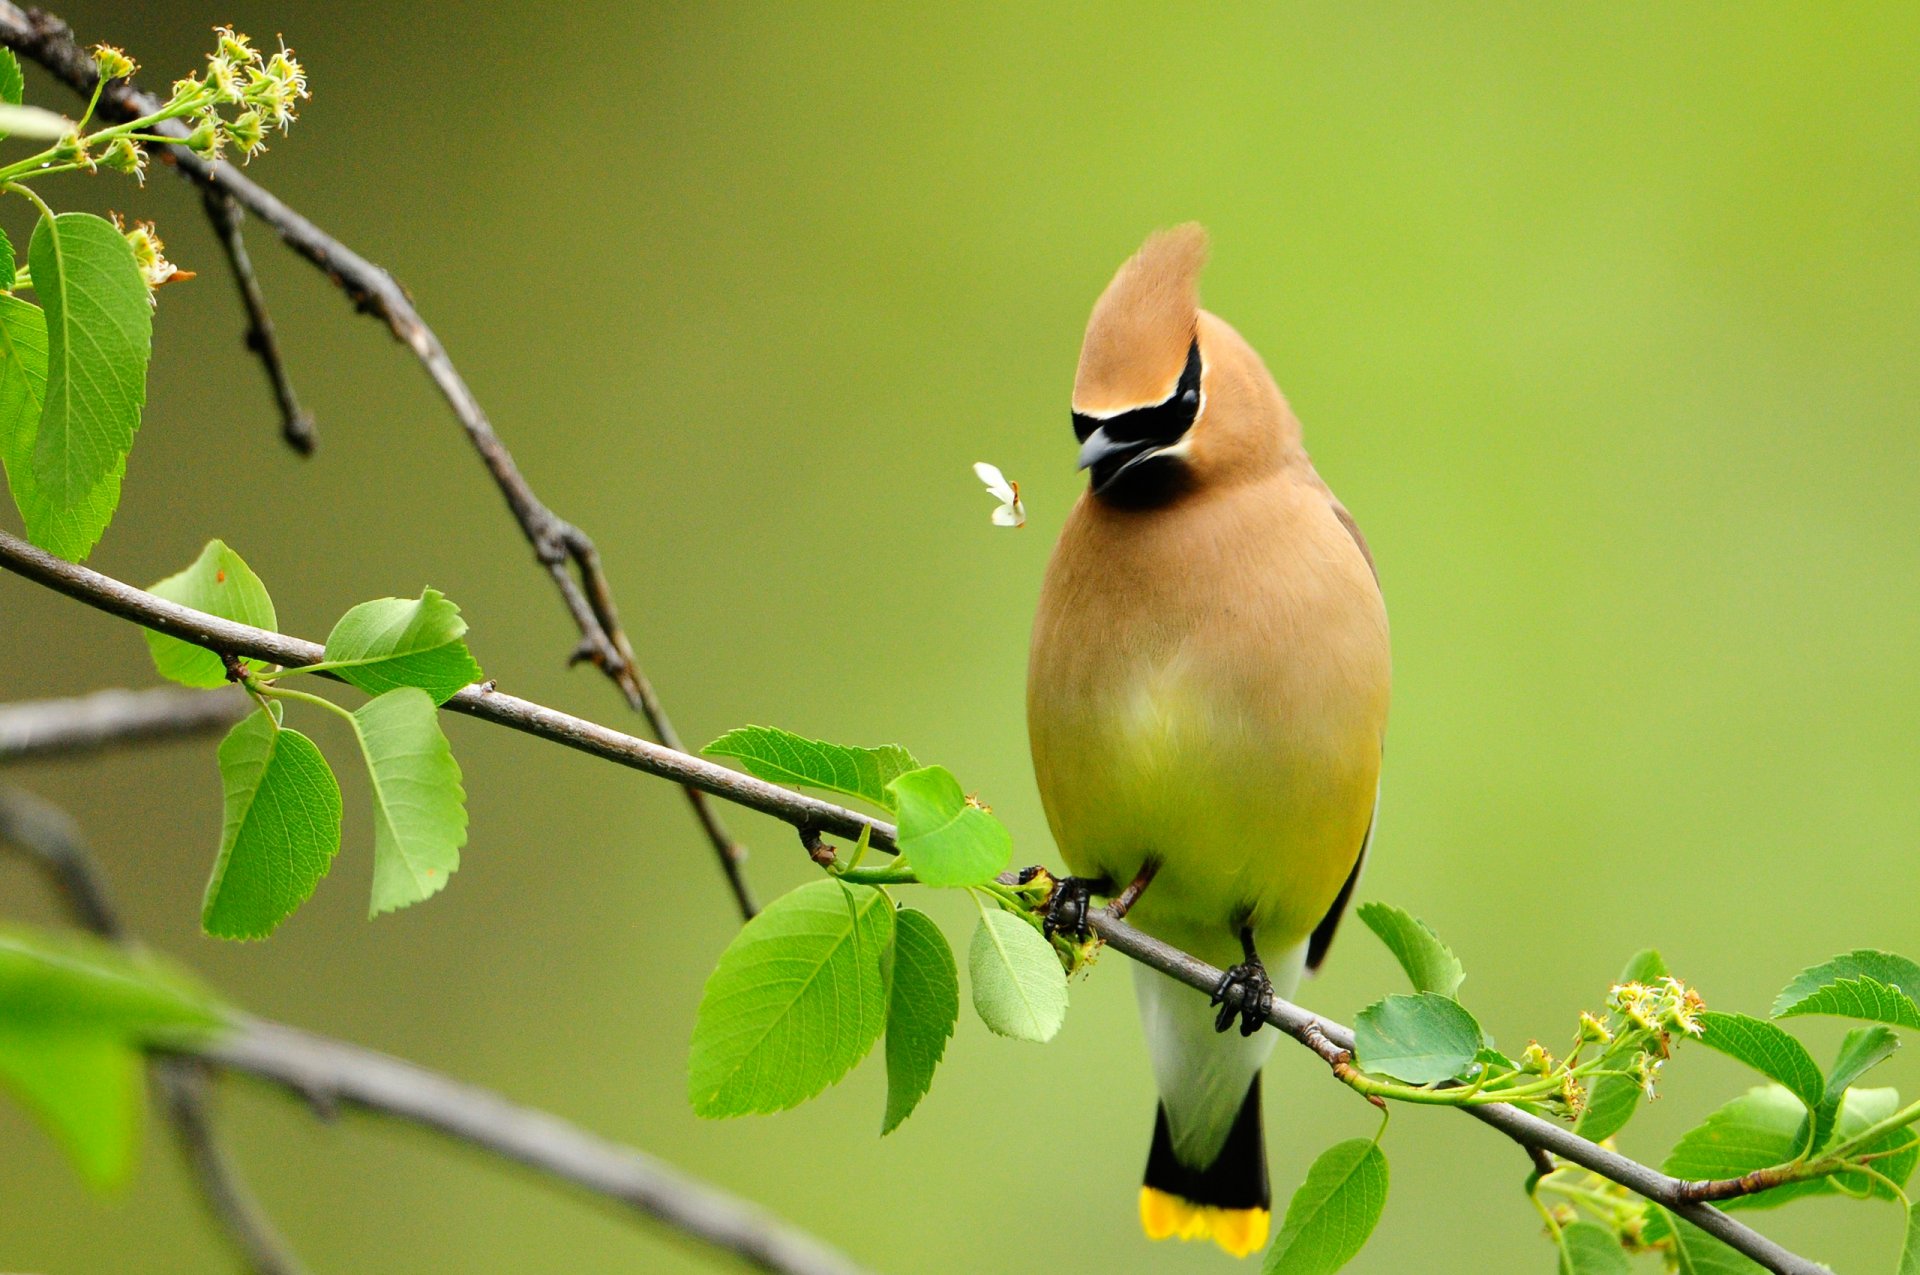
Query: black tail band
[1237,1178]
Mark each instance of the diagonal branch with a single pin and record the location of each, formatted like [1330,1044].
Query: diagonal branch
[561,548]
[296,423]
[34,729]
[49,840]
[1328,1039]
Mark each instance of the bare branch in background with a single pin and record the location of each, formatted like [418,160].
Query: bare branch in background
[34,729]
[1330,1040]
[48,839]
[296,423]
[562,548]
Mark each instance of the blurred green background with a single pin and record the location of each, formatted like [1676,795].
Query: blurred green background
[1603,324]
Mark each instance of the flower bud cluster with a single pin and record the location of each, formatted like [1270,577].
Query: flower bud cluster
[263,92]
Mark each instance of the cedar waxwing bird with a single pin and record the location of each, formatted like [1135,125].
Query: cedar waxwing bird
[1206,699]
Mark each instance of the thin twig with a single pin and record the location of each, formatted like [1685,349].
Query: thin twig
[36,729]
[48,839]
[337,1074]
[1328,1039]
[561,548]
[296,423]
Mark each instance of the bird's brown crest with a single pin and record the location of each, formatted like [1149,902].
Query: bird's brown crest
[1143,323]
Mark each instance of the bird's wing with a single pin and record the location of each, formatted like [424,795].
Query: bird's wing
[1322,938]
[1353,529]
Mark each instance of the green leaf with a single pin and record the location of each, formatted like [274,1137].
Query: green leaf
[798,998]
[1612,1100]
[1877,986]
[8,266]
[73,1012]
[1019,989]
[1589,1249]
[1767,1049]
[99,335]
[1333,1211]
[419,806]
[281,831]
[1429,963]
[35,122]
[948,840]
[1420,1039]
[13,85]
[1697,1253]
[1910,1251]
[220,583]
[1767,1126]
[69,533]
[782,757]
[1863,1049]
[394,642]
[923,1005]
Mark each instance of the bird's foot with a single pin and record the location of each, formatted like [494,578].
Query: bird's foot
[1068,902]
[1244,992]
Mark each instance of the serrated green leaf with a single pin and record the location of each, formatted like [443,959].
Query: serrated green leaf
[419,805]
[1019,989]
[1697,1253]
[1613,1100]
[394,642]
[1767,1049]
[947,839]
[1429,963]
[1767,1126]
[1910,1251]
[69,533]
[1863,1049]
[797,999]
[99,335]
[1421,1039]
[281,831]
[9,268]
[782,757]
[1589,1249]
[1333,1212]
[13,85]
[220,583]
[73,1012]
[923,1006]
[1876,986]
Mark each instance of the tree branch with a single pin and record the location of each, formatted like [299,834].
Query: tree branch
[1328,1039]
[47,838]
[296,423]
[34,729]
[331,1073]
[560,547]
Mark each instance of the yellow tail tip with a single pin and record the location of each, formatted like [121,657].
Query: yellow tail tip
[1239,1231]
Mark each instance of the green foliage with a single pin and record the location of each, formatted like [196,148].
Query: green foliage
[73,1013]
[1697,1253]
[419,806]
[1910,1250]
[798,998]
[1429,963]
[220,583]
[782,757]
[393,642]
[68,533]
[1768,1050]
[281,831]
[946,838]
[1421,1039]
[1612,1100]
[1767,1126]
[99,333]
[923,1006]
[1019,989]
[1863,1049]
[1876,986]
[13,85]
[1333,1211]
[1589,1249]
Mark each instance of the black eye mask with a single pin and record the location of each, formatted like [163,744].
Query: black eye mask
[1159,424]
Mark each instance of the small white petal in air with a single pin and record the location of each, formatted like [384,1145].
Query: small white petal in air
[1012,514]
[996,481]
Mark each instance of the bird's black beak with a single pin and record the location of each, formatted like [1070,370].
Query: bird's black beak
[1109,458]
